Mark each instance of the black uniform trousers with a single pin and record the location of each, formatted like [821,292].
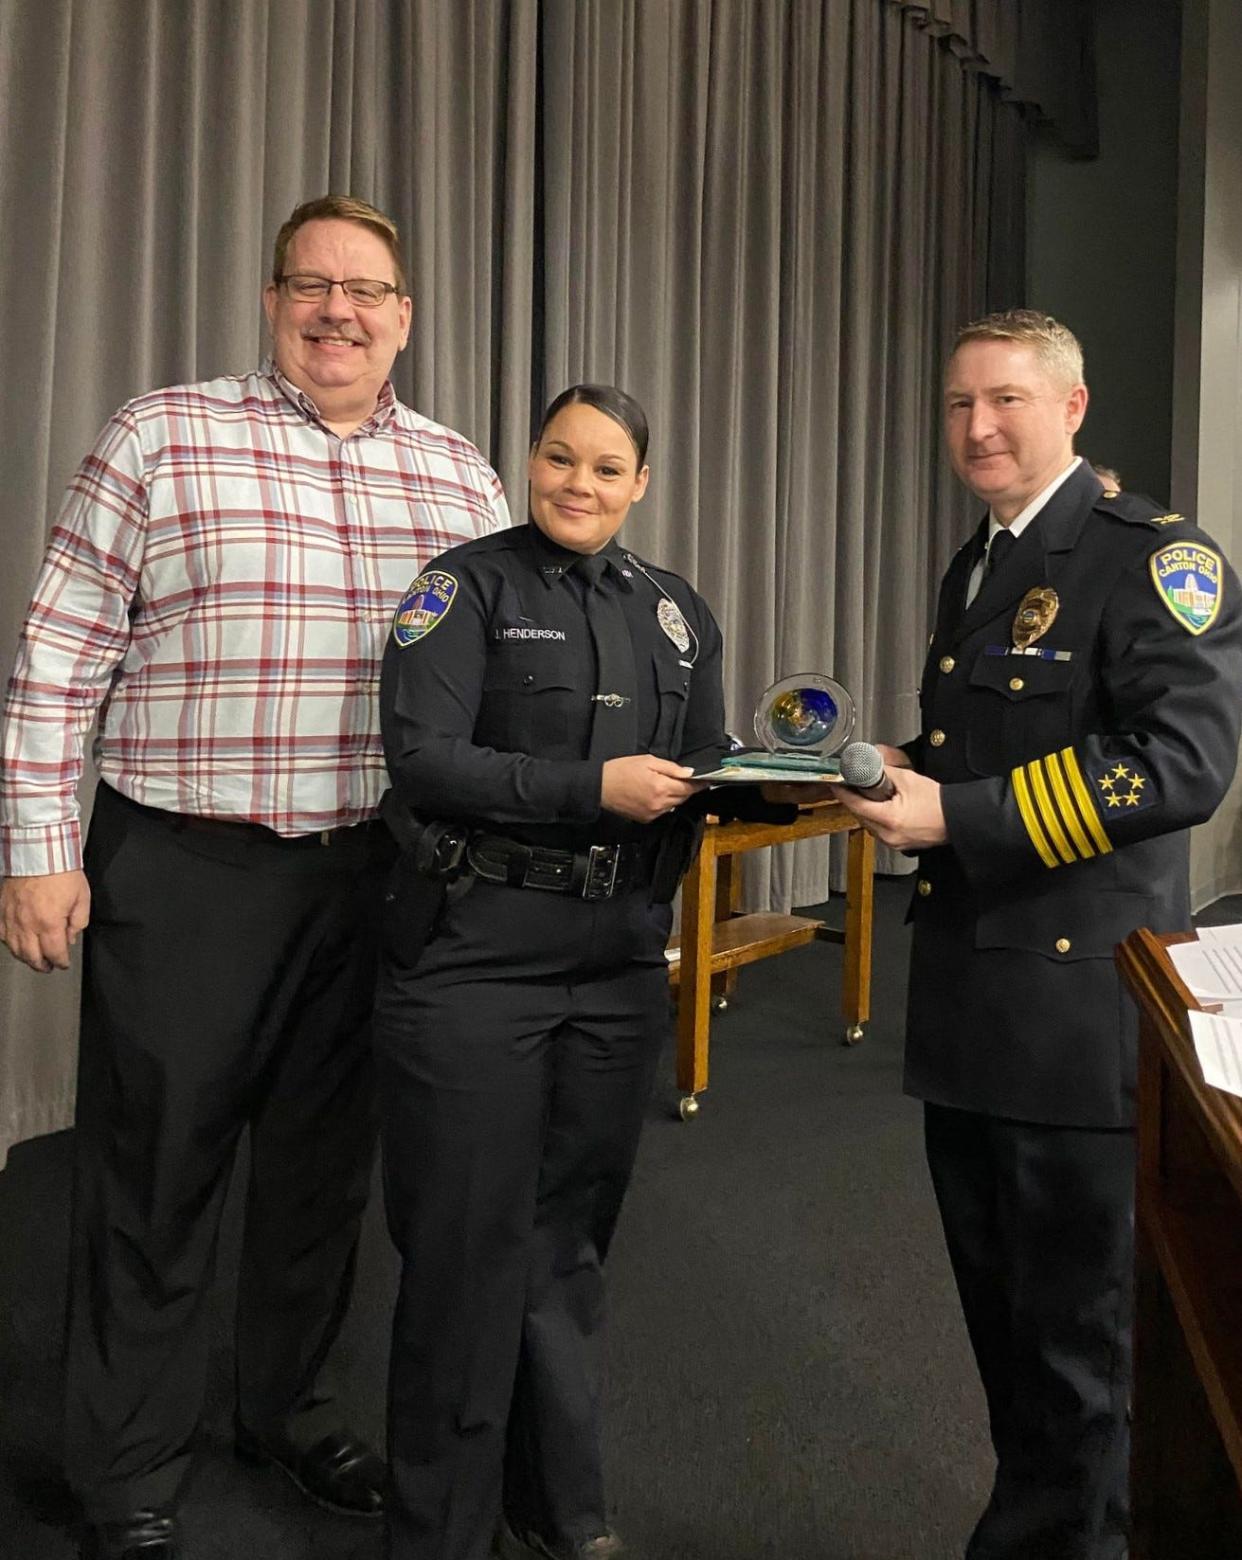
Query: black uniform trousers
[1039,1225]
[515,1061]
[228,980]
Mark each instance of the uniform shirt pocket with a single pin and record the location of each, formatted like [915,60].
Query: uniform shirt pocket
[531,703]
[1021,707]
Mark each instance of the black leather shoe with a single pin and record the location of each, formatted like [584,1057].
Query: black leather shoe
[143,1535]
[339,1472]
[509,1545]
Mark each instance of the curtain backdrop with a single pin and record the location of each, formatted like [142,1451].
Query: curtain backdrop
[763,217]
[1041,56]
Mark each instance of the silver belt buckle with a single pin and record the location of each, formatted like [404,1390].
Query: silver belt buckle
[601,872]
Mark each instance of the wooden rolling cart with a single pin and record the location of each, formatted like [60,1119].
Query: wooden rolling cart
[1186,1469]
[715,941]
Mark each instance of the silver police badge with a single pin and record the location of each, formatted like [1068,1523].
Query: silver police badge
[674,625]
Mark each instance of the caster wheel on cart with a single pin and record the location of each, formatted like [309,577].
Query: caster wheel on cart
[687,1107]
[853,1034]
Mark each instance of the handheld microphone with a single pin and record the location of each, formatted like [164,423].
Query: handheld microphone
[862,770]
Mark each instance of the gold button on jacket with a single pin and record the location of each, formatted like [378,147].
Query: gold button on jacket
[947,663]
[936,738]
[1063,945]
[924,887]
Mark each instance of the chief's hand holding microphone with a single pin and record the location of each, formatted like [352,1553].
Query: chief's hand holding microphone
[862,771]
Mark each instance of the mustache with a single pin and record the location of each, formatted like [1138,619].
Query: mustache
[353,336]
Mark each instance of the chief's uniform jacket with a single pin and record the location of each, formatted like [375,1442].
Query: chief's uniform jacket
[1070,778]
[517,1048]
[1069,785]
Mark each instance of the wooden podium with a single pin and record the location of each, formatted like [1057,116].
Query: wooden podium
[1186,1467]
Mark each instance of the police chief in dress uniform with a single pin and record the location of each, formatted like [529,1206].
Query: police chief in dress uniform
[1080,710]
[545,695]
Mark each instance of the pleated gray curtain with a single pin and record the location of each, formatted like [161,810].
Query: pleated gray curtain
[778,293]
[763,217]
[1039,52]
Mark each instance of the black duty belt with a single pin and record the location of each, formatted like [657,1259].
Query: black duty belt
[598,872]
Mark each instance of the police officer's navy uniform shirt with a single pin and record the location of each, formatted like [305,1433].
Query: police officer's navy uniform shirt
[490,674]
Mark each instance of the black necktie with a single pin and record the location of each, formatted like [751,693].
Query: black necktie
[614,723]
[999,549]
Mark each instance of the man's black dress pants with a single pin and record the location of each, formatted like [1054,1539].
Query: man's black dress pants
[227,981]
[1040,1229]
[516,1060]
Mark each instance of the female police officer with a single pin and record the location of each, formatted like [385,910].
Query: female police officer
[545,694]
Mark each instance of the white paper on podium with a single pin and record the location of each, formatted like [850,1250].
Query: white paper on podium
[1212,967]
[1218,1045]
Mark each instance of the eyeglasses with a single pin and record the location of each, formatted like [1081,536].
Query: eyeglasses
[358,289]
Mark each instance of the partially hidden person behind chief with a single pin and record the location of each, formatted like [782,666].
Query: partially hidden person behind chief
[545,696]
[1081,706]
[217,590]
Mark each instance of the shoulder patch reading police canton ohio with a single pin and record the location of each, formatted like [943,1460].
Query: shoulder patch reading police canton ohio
[1188,580]
[423,606]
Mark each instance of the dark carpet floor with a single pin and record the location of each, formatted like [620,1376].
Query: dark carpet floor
[789,1374]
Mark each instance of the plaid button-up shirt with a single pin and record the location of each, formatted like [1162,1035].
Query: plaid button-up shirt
[217,590]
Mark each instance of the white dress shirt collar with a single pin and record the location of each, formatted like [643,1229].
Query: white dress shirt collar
[1020,522]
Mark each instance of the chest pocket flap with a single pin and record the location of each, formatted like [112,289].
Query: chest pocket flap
[1018,678]
[1020,706]
[526,668]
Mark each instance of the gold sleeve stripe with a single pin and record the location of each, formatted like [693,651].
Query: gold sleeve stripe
[1022,796]
[1086,805]
[1048,813]
[1069,814]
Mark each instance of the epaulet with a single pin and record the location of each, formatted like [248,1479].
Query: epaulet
[504,540]
[1135,509]
[462,554]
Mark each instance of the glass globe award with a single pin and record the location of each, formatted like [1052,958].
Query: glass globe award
[802,723]
[808,717]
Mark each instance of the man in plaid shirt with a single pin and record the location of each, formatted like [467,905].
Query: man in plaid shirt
[216,594]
